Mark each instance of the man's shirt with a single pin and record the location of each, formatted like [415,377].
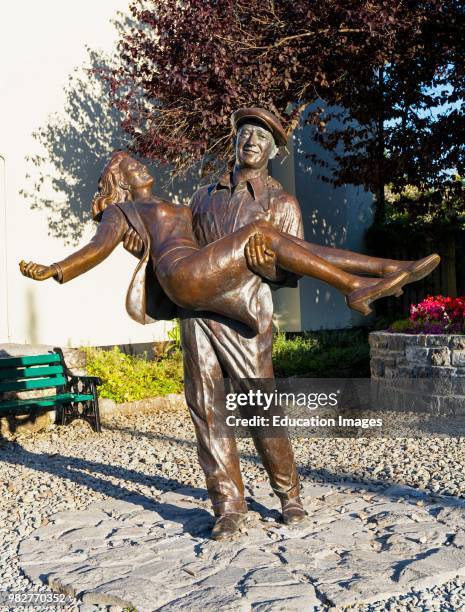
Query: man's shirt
[222,208]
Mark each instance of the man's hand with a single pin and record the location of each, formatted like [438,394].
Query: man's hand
[261,259]
[132,242]
[37,271]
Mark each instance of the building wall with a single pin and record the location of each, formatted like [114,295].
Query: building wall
[334,217]
[43,60]
[47,183]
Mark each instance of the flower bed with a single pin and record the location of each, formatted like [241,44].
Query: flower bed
[434,315]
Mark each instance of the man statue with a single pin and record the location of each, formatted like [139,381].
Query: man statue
[215,347]
[174,270]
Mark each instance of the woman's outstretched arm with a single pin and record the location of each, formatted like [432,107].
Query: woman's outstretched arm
[110,231]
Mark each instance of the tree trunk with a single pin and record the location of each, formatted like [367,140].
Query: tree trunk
[380,213]
[449,264]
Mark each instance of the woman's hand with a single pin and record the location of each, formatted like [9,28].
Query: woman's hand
[132,242]
[37,271]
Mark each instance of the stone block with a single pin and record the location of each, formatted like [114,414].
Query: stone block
[253,557]
[401,359]
[403,370]
[16,424]
[260,594]
[411,339]
[440,356]
[210,598]
[457,342]
[441,372]
[458,357]
[417,355]
[377,368]
[396,342]
[377,340]
[75,360]
[439,566]
[390,373]
[389,361]
[107,406]
[227,577]
[433,340]
[270,576]
[376,353]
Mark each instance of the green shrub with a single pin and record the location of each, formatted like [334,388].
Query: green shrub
[325,354]
[126,378]
[319,354]
[174,336]
[401,326]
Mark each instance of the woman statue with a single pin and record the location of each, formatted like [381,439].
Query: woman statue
[211,278]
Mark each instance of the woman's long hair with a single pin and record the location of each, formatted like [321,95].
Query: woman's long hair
[111,187]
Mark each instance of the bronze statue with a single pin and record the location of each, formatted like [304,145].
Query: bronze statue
[208,262]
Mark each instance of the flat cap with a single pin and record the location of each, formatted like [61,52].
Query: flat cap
[263,116]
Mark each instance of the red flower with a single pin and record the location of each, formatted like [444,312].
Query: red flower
[446,312]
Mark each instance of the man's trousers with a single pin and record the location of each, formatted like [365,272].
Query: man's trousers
[215,348]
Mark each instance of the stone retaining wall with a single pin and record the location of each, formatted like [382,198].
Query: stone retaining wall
[416,356]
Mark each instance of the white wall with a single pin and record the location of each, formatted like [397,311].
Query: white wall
[335,217]
[41,44]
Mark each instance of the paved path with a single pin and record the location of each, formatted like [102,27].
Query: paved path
[357,546]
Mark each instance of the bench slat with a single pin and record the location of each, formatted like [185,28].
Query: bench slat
[25,360]
[51,400]
[34,372]
[39,383]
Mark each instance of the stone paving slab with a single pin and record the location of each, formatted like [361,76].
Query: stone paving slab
[356,546]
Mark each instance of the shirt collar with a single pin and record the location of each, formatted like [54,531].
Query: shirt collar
[257,184]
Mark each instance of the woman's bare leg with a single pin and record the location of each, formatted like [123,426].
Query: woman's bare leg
[294,258]
[357,263]
[359,291]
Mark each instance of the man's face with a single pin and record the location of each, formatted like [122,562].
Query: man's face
[254,145]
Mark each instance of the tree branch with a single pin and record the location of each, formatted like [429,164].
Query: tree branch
[286,39]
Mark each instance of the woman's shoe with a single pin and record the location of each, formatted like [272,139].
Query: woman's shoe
[417,269]
[360,299]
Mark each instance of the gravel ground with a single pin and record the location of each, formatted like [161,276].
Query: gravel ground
[69,468]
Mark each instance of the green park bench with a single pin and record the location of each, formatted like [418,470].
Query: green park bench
[75,396]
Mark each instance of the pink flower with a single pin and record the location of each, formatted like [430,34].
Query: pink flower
[438,314]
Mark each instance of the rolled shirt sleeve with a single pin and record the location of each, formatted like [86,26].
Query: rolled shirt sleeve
[290,222]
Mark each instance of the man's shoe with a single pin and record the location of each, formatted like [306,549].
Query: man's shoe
[228,525]
[292,511]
